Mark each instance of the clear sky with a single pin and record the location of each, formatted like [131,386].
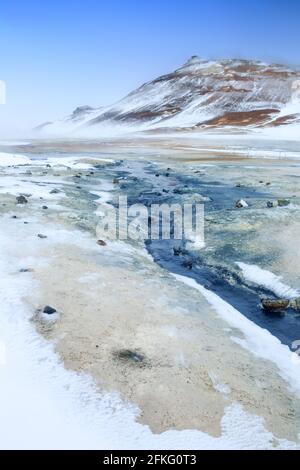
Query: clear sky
[56,55]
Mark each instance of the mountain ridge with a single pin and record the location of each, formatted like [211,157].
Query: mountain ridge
[228,94]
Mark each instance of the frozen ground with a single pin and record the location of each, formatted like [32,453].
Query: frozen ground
[61,384]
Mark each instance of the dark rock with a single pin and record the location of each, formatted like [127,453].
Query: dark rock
[40,235]
[44,207]
[14,217]
[270,204]
[54,191]
[177,251]
[241,204]
[295,304]
[116,181]
[21,200]
[48,165]
[283,202]
[275,305]
[268,184]
[49,310]
[188,264]
[126,355]
[26,270]
[77,176]
[101,243]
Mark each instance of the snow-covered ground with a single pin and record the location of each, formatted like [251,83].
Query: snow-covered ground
[43,405]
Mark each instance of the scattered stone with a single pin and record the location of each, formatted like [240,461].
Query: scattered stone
[44,207]
[295,304]
[48,165]
[101,243]
[40,235]
[177,251]
[271,204]
[179,191]
[21,200]
[167,175]
[77,176]
[188,264]
[283,202]
[26,223]
[268,184]
[157,175]
[126,355]
[26,270]
[49,310]
[238,185]
[277,305]
[14,217]
[54,191]
[241,204]
[165,191]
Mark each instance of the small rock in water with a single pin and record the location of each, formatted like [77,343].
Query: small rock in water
[268,184]
[275,305]
[188,264]
[40,235]
[49,310]
[177,251]
[101,243]
[295,304]
[241,204]
[283,202]
[21,200]
[44,207]
[238,185]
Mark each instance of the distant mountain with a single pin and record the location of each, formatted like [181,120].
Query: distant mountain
[232,95]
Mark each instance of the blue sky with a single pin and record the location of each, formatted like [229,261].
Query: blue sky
[60,54]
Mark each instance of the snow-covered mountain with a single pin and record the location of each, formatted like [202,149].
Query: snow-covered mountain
[234,95]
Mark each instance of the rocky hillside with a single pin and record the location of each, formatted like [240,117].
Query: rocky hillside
[231,94]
